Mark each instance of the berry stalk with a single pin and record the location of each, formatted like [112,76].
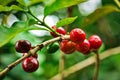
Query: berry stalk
[97,63]
[61,65]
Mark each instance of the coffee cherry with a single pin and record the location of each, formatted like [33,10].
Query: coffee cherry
[53,34]
[30,64]
[35,55]
[61,30]
[84,47]
[95,42]
[22,46]
[67,47]
[53,47]
[77,35]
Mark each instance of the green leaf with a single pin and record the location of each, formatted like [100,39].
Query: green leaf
[59,4]
[48,2]
[7,34]
[97,14]
[66,21]
[13,7]
[5,2]
[29,2]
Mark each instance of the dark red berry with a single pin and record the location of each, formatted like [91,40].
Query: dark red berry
[67,47]
[22,46]
[77,35]
[61,30]
[84,47]
[35,56]
[95,42]
[30,64]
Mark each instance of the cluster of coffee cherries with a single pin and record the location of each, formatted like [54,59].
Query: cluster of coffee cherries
[78,41]
[30,64]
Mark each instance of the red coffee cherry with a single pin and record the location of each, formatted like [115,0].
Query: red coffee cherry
[53,34]
[30,64]
[77,35]
[61,30]
[35,56]
[95,42]
[22,46]
[67,47]
[84,47]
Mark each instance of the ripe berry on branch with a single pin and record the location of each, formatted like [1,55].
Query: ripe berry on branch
[95,42]
[77,35]
[67,47]
[84,47]
[22,46]
[30,64]
[53,34]
[60,30]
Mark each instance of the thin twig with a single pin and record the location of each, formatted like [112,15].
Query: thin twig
[97,63]
[31,52]
[12,65]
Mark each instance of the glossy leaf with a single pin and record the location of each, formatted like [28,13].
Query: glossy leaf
[7,34]
[59,4]
[13,7]
[28,2]
[97,14]
[66,21]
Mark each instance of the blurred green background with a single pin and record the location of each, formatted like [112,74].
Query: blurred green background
[107,27]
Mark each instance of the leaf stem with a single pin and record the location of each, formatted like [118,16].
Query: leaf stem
[29,11]
[97,63]
[42,22]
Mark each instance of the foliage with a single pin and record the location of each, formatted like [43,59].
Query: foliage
[104,21]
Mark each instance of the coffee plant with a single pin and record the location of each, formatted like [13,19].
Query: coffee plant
[59,40]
